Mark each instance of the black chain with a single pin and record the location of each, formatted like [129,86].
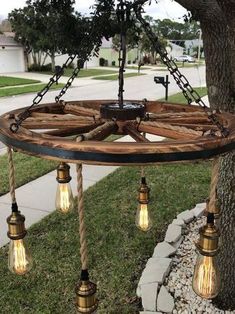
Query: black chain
[83,57]
[54,79]
[188,91]
[68,83]
[123,17]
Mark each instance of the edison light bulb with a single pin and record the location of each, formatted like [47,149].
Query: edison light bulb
[206,281]
[64,198]
[143,219]
[19,260]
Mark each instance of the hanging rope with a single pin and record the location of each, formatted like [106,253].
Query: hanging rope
[11,175]
[213,201]
[82,227]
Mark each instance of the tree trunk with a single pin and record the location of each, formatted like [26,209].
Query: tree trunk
[226,256]
[218,71]
[52,55]
[219,48]
[226,185]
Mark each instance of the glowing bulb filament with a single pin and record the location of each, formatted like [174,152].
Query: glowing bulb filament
[64,198]
[206,279]
[143,220]
[20,261]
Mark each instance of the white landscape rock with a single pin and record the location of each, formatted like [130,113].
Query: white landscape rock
[149,296]
[199,210]
[138,291]
[178,222]
[173,233]
[165,301]
[186,216]
[155,271]
[164,249]
[177,244]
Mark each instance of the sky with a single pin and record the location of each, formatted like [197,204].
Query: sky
[162,9]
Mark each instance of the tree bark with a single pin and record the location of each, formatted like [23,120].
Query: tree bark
[226,256]
[217,20]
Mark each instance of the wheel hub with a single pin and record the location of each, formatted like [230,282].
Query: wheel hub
[130,111]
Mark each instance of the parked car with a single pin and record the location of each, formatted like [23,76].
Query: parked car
[184,58]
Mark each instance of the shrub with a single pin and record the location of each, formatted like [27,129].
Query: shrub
[37,68]
[102,62]
[46,67]
[34,67]
[113,63]
[71,66]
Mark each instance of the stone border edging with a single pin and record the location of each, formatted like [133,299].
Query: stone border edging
[151,289]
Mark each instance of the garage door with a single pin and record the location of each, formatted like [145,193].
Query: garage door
[11,60]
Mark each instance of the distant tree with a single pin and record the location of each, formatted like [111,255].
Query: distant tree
[145,44]
[5,26]
[49,27]
[177,31]
[137,38]
[132,39]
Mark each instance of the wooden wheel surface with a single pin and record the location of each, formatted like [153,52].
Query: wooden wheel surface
[49,129]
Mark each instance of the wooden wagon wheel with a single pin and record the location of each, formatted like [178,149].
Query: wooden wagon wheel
[48,130]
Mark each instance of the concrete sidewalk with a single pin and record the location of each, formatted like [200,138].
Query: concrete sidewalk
[36,199]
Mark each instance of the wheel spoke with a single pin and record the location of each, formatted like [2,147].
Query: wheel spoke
[131,130]
[56,122]
[73,131]
[79,110]
[168,130]
[101,132]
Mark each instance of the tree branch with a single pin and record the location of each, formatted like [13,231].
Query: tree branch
[201,9]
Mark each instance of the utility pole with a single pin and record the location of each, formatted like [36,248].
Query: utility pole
[199,46]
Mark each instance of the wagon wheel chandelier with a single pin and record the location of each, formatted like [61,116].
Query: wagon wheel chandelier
[76,132]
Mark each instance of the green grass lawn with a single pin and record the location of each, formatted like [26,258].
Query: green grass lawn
[117,250]
[179,97]
[27,169]
[115,77]
[13,81]
[12,91]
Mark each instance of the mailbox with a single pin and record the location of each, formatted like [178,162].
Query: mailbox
[159,79]
[164,81]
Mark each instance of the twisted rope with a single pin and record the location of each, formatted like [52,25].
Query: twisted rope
[82,227]
[142,167]
[11,175]
[213,201]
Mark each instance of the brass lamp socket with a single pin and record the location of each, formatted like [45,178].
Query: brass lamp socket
[86,301]
[144,191]
[16,226]
[208,243]
[63,175]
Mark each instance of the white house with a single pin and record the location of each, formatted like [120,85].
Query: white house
[174,50]
[11,55]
